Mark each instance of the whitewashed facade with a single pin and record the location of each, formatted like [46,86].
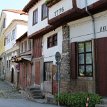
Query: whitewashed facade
[59,8]
[49,53]
[41,23]
[15,30]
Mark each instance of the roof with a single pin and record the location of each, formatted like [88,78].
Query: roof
[30,4]
[15,11]
[24,35]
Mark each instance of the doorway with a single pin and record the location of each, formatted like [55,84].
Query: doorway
[12,76]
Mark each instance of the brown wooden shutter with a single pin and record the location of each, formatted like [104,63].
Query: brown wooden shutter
[101,66]
[73,60]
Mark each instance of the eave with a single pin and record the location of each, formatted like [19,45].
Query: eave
[41,32]
[23,36]
[30,4]
[50,3]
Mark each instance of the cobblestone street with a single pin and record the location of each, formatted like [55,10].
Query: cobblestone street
[7,91]
[10,97]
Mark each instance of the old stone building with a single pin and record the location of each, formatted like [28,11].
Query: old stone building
[77,29]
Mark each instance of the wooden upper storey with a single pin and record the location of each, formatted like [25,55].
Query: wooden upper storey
[59,13]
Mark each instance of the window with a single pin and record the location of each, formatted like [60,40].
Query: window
[25,46]
[4,23]
[21,50]
[44,11]
[29,44]
[35,16]
[8,38]
[52,41]
[85,67]
[48,71]
[7,63]
[13,34]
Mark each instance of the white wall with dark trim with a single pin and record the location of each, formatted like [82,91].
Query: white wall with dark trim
[49,53]
[81,30]
[41,24]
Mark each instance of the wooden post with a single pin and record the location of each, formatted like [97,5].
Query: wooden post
[87,102]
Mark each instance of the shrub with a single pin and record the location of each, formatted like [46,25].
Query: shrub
[78,99]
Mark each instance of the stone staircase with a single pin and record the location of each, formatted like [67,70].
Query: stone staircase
[103,103]
[36,93]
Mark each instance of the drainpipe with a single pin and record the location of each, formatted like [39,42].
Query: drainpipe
[94,37]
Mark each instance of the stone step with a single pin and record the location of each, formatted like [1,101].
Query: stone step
[104,101]
[35,91]
[37,97]
[101,105]
[37,94]
[34,88]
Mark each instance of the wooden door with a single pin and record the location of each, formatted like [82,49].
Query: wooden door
[48,76]
[37,72]
[101,66]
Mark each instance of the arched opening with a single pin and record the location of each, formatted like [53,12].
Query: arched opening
[12,76]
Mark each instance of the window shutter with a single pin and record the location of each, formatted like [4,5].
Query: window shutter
[73,60]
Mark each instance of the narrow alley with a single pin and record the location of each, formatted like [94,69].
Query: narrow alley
[10,97]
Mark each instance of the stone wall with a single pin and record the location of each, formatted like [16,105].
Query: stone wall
[65,61]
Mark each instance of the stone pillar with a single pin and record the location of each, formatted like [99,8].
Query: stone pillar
[65,61]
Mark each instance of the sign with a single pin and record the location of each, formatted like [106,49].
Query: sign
[59,11]
[58,56]
[103,28]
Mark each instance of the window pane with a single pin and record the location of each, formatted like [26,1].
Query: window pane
[81,71]
[35,16]
[81,58]
[81,47]
[44,11]
[88,47]
[88,58]
[89,70]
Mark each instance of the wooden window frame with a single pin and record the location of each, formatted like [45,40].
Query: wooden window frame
[52,41]
[13,34]
[42,11]
[44,74]
[35,17]
[91,64]
[29,44]
[22,48]
[4,22]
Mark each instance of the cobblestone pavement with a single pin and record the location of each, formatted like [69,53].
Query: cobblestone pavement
[10,97]
[7,91]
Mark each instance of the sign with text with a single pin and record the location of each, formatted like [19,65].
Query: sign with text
[59,8]
[103,28]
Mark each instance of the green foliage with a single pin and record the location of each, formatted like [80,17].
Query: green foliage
[48,1]
[78,99]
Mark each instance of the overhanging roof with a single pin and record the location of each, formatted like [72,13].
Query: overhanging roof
[30,4]
[22,58]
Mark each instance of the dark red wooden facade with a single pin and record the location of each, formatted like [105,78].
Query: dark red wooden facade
[25,74]
[37,47]
[101,66]
[37,72]
[73,60]
[37,53]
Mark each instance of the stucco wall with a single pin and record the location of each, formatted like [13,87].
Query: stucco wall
[49,53]
[60,8]
[41,24]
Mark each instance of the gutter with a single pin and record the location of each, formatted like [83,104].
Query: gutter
[93,42]
[92,17]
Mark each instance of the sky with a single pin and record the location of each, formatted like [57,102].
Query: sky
[12,4]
